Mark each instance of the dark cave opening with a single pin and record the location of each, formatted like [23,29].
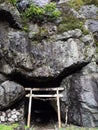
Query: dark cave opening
[45,82]
[42,113]
[6,16]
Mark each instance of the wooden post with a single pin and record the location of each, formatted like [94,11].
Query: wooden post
[66,115]
[58,106]
[29,108]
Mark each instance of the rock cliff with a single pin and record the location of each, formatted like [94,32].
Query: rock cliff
[51,52]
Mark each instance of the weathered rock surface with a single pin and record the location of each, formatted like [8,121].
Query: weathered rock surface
[42,58]
[89,11]
[77,14]
[24,3]
[47,58]
[91,14]
[81,96]
[40,2]
[10,92]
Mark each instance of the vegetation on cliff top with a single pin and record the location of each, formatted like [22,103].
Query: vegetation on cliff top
[39,15]
[48,13]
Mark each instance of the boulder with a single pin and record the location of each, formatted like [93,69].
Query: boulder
[81,96]
[89,11]
[46,58]
[91,14]
[10,92]
[23,4]
[76,14]
[93,25]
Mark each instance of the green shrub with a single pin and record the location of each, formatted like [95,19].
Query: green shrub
[51,11]
[48,12]
[56,14]
[34,11]
[50,7]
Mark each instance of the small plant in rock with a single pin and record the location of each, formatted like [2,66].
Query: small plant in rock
[56,14]
[12,1]
[25,28]
[85,31]
[51,11]
[50,7]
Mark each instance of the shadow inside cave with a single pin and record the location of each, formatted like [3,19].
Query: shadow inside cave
[42,113]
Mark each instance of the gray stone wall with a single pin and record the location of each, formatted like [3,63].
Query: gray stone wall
[11,116]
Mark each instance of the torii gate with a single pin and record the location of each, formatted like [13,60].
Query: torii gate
[31,95]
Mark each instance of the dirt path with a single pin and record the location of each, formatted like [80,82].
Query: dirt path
[49,126]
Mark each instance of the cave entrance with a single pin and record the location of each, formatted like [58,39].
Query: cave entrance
[37,96]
